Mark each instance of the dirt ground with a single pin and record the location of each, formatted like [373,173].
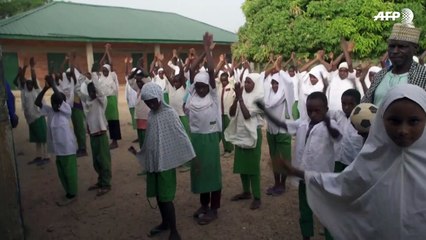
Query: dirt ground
[125,212]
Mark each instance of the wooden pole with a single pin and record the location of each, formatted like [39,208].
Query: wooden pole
[11,226]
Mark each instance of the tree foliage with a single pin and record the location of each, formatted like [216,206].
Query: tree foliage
[303,26]
[11,7]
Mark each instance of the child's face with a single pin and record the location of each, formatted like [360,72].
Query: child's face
[291,72]
[30,85]
[56,101]
[153,104]
[404,121]
[343,73]
[177,82]
[317,110]
[313,79]
[139,82]
[105,72]
[274,85]
[92,92]
[202,89]
[224,80]
[248,85]
[348,104]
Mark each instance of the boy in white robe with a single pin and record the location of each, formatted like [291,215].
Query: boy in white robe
[315,141]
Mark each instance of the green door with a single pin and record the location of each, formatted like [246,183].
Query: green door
[135,58]
[149,58]
[183,56]
[55,61]
[10,66]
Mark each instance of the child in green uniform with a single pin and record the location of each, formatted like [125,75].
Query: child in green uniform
[165,148]
[35,119]
[203,110]
[245,133]
[60,139]
[94,103]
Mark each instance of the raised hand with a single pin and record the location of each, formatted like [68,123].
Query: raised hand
[207,41]
[125,60]
[331,55]
[320,54]
[293,56]
[222,57]
[175,53]
[238,91]
[350,46]
[32,62]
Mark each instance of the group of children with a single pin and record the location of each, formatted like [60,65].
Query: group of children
[182,111]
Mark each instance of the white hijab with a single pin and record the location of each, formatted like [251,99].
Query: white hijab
[382,194]
[307,88]
[373,69]
[272,98]
[204,110]
[243,132]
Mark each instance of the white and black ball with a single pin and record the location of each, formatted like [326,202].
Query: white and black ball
[362,117]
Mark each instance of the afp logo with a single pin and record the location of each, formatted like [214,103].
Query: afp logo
[406,16]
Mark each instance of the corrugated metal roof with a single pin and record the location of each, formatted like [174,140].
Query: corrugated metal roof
[66,21]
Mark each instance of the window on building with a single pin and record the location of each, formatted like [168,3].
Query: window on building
[10,66]
[55,61]
[136,57]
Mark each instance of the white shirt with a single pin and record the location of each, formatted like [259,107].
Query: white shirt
[176,97]
[228,96]
[31,111]
[131,95]
[95,116]
[60,136]
[205,118]
[337,87]
[109,85]
[351,143]
[317,154]
[162,82]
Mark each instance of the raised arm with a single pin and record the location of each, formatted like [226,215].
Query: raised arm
[33,74]
[347,48]
[364,73]
[39,100]
[310,63]
[17,81]
[220,65]
[320,57]
[208,41]
[383,60]
[271,61]
[195,67]
[336,62]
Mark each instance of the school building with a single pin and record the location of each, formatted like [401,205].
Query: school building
[49,32]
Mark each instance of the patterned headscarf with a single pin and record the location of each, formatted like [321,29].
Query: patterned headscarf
[150,91]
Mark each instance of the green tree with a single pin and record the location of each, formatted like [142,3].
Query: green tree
[11,7]
[303,26]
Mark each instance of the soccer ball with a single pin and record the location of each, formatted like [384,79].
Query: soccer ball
[362,117]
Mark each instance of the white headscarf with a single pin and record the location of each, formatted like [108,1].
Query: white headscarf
[373,69]
[240,131]
[382,194]
[343,65]
[107,66]
[166,145]
[272,98]
[204,112]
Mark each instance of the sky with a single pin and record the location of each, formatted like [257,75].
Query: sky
[226,14]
